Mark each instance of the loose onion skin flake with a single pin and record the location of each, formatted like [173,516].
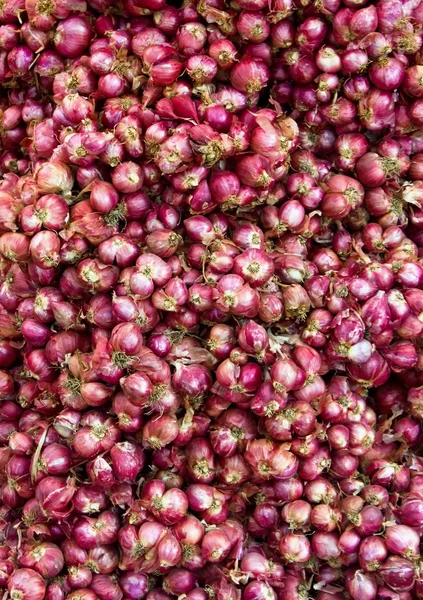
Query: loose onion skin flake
[211,300]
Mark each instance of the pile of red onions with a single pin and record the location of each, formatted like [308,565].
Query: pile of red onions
[211,300]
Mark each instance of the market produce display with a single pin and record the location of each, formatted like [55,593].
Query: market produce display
[211,300]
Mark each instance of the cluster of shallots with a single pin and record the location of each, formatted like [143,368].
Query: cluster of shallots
[211,300]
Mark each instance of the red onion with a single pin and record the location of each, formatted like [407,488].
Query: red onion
[361,585]
[295,548]
[26,584]
[46,559]
[72,36]
[386,73]
[249,76]
[398,573]
[134,585]
[210,304]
